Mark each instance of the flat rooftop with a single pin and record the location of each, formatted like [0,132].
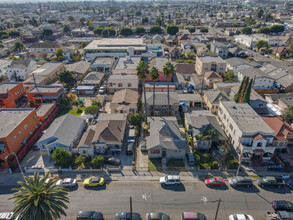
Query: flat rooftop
[46,69]
[6,86]
[45,89]
[246,118]
[208,59]
[44,108]
[127,63]
[10,118]
[103,61]
[107,43]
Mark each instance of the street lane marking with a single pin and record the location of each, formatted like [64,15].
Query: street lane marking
[204,199]
[145,196]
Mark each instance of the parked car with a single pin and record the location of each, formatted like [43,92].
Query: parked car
[131,136]
[129,150]
[285,176]
[282,205]
[290,184]
[127,216]
[190,158]
[94,181]
[67,182]
[240,181]
[6,215]
[113,161]
[89,215]
[269,181]
[143,146]
[240,217]
[218,181]
[156,216]
[170,180]
[193,216]
[278,215]
[102,90]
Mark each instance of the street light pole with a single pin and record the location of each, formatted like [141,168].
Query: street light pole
[14,154]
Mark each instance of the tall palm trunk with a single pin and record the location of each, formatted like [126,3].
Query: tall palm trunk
[154,99]
[145,105]
[168,97]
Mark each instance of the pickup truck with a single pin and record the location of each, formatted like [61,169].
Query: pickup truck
[281,215]
[269,181]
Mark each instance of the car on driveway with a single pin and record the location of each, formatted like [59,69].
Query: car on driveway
[67,182]
[217,181]
[113,161]
[94,181]
[127,216]
[89,215]
[170,180]
[282,205]
[156,216]
[190,158]
[240,217]
[193,216]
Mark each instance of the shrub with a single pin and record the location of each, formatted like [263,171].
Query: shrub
[215,165]
[97,161]
[75,103]
[80,160]
[233,164]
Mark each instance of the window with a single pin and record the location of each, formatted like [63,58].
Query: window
[129,84]
[15,138]
[119,84]
[259,144]
[37,126]
[34,117]
[281,144]
[25,127]
[19,133]
[155,151]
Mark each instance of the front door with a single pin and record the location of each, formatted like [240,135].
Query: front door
[164,153]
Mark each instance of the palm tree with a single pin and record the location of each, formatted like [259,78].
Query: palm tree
[38,199]
[142,71]
[154,76]
[168,70]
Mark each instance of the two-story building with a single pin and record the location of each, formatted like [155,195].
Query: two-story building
[44,47]
[248,133]
[122,81]
[19,69]
[210,63]
[11,94]
[220,49]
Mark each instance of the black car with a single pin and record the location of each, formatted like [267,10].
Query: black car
[113,161]
[127,216]
[290,184]
[282,205]
[89,215]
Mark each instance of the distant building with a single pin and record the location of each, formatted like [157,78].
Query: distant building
[19,69]
[45,47]
[103,64]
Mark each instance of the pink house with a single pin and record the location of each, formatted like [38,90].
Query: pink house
[159,63]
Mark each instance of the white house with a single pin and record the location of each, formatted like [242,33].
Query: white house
[247,132]
[19,69]
[122,81]
[44,47]
[261,81]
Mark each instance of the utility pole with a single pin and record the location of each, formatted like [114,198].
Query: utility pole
[218,209]
[130,208]
[240,160]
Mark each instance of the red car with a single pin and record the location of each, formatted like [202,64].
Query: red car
[215,182]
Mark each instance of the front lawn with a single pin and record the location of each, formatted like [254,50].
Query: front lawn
[155,164]
[205,160]
[77,111]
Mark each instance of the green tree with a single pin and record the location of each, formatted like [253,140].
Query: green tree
[66,28]
[290,47]
[261,43]
[59,53]
[229,76]
[14,33]
[142,71]
[287,114]
[238,94]
[2,33]
[260,13]
[264,30]
[52,21]
[138,13]
[154,76]
[67,78]
[246,30]
[140,30]
[136,119]
[204,30]
[168,71]
[188,61]
[246,97]
[245,85]
[97,161]
[191,29]
[126,31]
[83,44]
[97,103]
[18,24]
[92,110]
[98,30]
[71,18]
[277,28]
[144,20]
[208,135]
[5,36]
[47,32]
[62,157]
[108,32]
[172,29]
[155,29]
[91,28]
[82,20]
[36,199]
[18,46]
[80,160]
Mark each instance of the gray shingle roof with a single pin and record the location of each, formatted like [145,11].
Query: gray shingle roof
[216,95]
[19,64]
[161,98]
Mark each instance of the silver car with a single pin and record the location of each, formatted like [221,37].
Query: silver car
[67,182]
[156,216]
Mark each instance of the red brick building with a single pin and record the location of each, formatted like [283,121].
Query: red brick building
[45,110]
[11,94]
[45,94]
[16,128]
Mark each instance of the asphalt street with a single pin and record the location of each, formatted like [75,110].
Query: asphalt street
[150,196]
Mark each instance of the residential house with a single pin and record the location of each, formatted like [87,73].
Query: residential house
[179,81]
[4,63]
[44,47]
[124,101]
[45,110]
[190,100]
[64,132]
[19,69]
[17,127]
[174,53]
[237,52]
[11,94]
[185,69]
[126,65]
[236,64]
[45,94]
[166,141]
[103,64]
[210,63]
[220,49]
[45,74]
[283,132]
[157,39]
[230,23]
[80,68]
[212,77]
[212,98]
[197,82]
[277,103]
[93,79]
[261,81]
[202,120]
[85,146]
[122,81]
[249,135]
[160,87]
[159,63]
[280,52]
[161,104]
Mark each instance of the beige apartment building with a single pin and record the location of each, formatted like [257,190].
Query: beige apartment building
[210,63]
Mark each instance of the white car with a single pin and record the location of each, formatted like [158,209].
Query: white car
[102,90]
[240,217]
[6,215]
[170,180]
[67,182]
